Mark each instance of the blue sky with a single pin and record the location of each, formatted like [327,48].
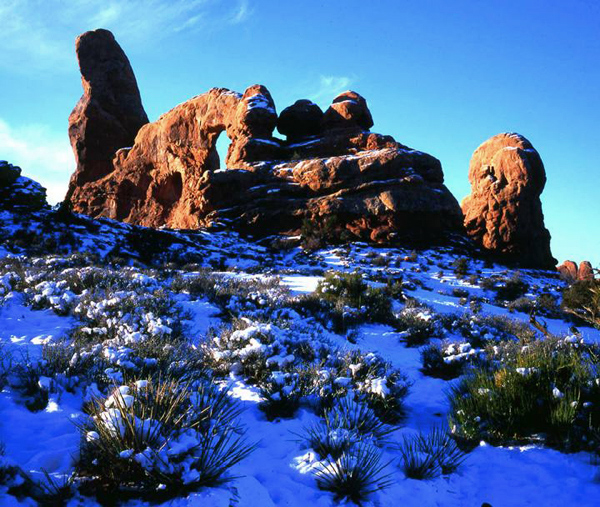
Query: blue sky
[440,76]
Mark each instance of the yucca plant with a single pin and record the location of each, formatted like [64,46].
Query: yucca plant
[415,462]
[356,474]
[161,433]
[357,417]
[426,456]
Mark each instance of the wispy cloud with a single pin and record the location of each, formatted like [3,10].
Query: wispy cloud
[42,155]
[241,13]
[329,87]
[42,33]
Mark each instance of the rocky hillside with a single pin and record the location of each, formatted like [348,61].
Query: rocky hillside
[142,366]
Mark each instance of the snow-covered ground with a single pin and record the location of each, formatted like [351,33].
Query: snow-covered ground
[278,472]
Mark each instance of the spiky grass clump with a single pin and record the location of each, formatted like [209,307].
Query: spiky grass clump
[150,439]
[328,441]
[355,475]
[546,390]
[426,456]
[358,418]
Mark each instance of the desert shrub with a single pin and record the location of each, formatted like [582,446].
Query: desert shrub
[342,301]
[27,379]
[426,456]
[157,439]
[12,479]
[417,325]
[547,305]
[479,329]
[582,299]
[355,475]
[283,392]
[447,360]
[232,293]
[543,390]
[461,267]
[457,292]
[380,385]
[509,289]
[350,290]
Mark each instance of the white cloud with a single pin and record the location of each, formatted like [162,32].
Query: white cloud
[329,87]
[42,33]
[42,156]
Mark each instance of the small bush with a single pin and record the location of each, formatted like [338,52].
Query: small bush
[582,299]
[150,439]
[511,288]
[447,360]
[356,417]
[417,325]
[461,267]
[355,475]
[282,397]
[426,456]
[342,301]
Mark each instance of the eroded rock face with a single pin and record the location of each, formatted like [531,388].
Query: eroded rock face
[330,169]
[503,214]
[109,114]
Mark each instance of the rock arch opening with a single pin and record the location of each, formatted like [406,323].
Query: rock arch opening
[169,190]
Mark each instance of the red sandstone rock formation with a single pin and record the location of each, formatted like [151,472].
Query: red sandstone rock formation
[503,214]
[348,109]
[330,169]
[571,273]
[568,271]
[109,114]
[300,120]
[585,271]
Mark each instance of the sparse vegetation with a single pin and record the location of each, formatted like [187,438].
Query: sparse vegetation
[545,390]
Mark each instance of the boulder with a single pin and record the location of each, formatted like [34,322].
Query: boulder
[18,192]
[348,110]
[300,120]
[568,271]
[585,271]
[109,114]
[503,214]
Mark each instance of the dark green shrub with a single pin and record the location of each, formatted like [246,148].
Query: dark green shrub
[509,289]
[461,267]
[546,389]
